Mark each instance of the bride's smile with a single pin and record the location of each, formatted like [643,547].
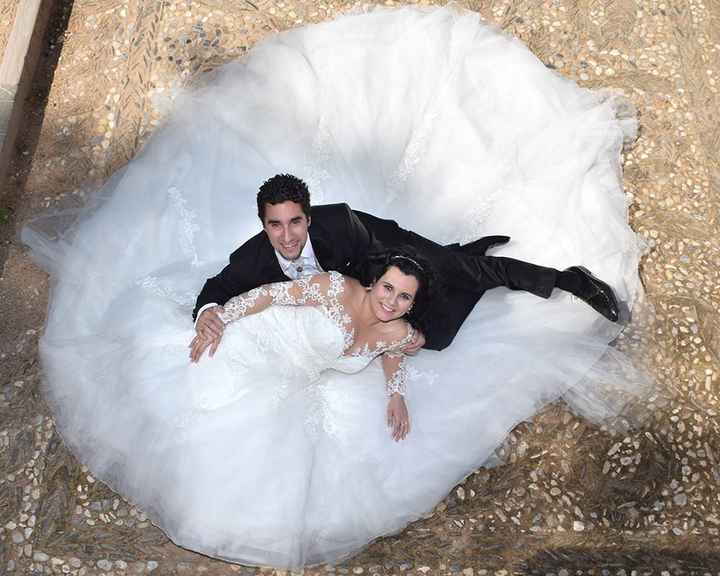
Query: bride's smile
[392,296]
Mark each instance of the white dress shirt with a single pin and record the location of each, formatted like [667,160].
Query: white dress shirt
[303,266]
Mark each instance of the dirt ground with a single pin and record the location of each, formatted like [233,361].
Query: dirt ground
[571,498]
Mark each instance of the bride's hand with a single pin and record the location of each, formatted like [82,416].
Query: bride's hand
[200,343]
[398,418]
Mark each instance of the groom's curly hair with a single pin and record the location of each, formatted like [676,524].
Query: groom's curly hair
[283,188]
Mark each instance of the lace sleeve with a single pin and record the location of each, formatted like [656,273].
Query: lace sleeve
[305,291]
[395,365]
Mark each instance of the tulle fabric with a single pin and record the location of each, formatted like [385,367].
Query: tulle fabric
[426,116]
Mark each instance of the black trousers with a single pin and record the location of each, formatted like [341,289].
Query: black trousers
[465,276]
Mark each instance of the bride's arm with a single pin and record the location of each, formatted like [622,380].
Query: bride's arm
[318,289]
[305,291]
[395,369]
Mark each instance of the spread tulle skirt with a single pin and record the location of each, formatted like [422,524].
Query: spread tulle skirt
[426,116]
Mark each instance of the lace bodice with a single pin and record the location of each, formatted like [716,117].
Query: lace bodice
[325,292]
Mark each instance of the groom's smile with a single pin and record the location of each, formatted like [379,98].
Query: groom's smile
[286,226]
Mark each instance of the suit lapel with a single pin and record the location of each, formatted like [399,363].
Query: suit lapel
[321,247]
[270,267]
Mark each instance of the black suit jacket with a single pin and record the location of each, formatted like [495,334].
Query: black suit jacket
[342,240]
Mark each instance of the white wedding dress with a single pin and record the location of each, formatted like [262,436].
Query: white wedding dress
[276,450]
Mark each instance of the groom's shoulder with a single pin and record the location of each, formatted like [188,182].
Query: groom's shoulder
[333,218]
[252,248]
[330,211]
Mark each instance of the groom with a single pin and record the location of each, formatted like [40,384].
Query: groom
[299,240]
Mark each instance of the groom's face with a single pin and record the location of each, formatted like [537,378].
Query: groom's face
[286,226]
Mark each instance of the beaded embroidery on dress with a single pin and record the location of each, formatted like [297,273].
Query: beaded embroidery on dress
[324,291]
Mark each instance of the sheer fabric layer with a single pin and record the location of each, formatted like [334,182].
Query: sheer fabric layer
[272,452]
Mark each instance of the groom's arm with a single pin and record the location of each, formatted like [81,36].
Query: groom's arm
[240,275]
[219,289]
[390,234]
[384,232]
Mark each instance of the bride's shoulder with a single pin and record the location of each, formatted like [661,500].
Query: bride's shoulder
[335,284]
[349,283]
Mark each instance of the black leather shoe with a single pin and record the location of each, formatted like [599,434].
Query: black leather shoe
[597,294]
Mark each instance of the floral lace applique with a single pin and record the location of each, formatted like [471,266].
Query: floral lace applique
[315,171]
[296,293]
[188,223]
[381,347]
[239,306]
[398,383]
[306,291]
[159,288]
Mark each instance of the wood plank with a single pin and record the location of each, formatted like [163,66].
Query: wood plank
[16,70]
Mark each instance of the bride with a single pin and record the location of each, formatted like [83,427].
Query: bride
[276,451]
[356,325]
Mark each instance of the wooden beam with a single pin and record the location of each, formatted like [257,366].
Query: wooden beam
[17,68]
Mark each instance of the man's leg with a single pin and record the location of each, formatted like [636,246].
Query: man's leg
[493,271]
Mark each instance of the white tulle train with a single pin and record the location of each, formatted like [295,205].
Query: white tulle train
[426,116]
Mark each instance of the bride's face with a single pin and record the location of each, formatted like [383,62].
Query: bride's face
[393,294]
[286,226]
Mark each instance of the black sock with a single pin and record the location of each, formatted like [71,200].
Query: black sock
[568,281]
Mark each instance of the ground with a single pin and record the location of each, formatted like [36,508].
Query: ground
[571,498]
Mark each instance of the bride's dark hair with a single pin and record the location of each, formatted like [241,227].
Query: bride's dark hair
[411,263]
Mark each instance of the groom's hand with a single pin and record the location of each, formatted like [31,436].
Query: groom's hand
[415,344]
[209,325]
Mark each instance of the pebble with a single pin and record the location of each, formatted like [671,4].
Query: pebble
[104,564]
[680,499]
[578,526]
[40,557]
[151,565]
